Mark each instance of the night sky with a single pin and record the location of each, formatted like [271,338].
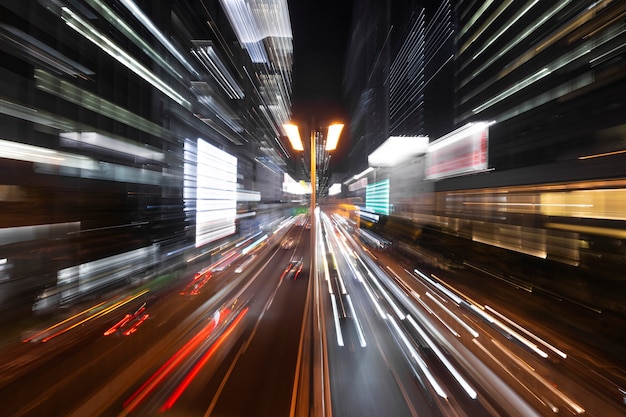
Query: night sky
[320,35]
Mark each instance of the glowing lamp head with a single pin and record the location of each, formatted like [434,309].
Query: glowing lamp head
[334,131]
[294,136]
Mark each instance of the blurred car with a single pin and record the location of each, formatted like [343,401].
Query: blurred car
[293,268]
[130,322]
[287,243]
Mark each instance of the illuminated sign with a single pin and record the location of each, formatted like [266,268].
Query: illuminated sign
[216,194]
[377,197]
[357,185]
[397,149]
[460,152]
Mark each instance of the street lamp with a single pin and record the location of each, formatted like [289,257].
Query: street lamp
[332,139]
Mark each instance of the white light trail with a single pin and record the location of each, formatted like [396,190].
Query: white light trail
[510,331]
[454,316]
[464,384]
[394,306]
[452,296]
[336,318]
[420,362]
[357,324]
[528,333]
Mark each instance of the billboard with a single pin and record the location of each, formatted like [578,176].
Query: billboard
[216,193]
[461,152]
[377,197]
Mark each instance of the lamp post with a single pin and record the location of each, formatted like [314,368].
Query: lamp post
[332,139]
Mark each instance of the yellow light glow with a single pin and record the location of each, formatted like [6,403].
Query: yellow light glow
[294,136]
[334,131]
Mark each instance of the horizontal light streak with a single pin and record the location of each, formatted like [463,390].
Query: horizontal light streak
[99,140]
[37,154]
[600,155]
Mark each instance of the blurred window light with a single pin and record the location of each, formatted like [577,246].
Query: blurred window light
[37,154]
[40,231]
[221,111]
[217,125]
[275,90]
[248,195]
[516,40]
[53,85]
[205,52]
[506,26]
[398,149]
[98,140]
[124,28]
[490,20]
[36,115]
[107,45]
[255,20]
[590,48]
[479,13]
[42,53]
[145,20]
[364,172]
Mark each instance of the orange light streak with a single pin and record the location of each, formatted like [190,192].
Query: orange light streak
[198,366]
[107,310]
[75,316]
[63,322]
[138,396]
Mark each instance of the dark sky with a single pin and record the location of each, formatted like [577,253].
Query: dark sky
[321,30]
[320,35]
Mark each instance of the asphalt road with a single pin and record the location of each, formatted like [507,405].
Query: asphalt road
[396,338]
